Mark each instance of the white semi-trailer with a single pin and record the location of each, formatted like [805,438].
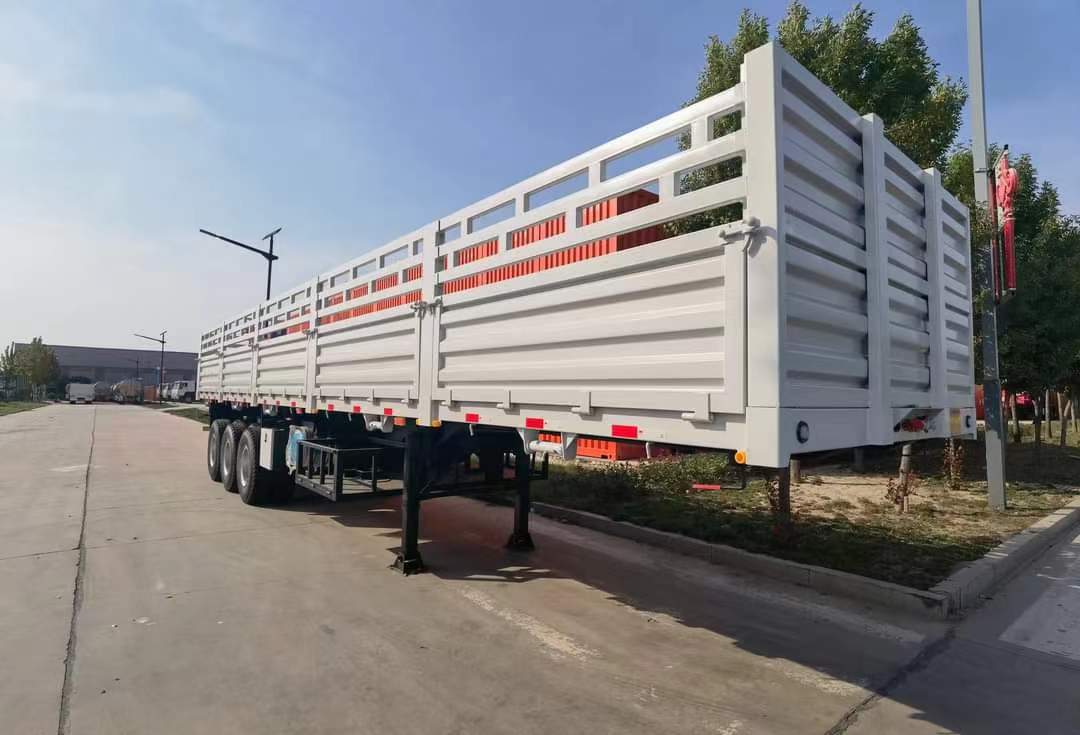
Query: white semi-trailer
[607,297]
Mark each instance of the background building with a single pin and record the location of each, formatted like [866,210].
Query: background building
[111,365]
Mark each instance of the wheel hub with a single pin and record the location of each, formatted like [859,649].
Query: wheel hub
[242,461]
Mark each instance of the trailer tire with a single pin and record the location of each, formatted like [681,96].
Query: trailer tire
[230,439]
[257,485]
[213,448]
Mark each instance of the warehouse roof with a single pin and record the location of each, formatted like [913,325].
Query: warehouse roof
[113,357]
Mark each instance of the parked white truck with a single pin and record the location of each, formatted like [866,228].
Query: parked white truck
[607,297]
[185,390]
[79,392]
[180,390]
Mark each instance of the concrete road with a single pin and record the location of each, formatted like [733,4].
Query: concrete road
[191,612]
[1013,667]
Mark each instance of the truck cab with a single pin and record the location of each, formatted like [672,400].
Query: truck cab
[80,393]
[185,391]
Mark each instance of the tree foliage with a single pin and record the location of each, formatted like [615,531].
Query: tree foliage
[1040,341]
[36,363]
[1039,328]
[8,366]
[894,77]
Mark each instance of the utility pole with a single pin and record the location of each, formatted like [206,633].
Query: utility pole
[270,260]
[995,434]
[138,378]
[269,255]
[161,370]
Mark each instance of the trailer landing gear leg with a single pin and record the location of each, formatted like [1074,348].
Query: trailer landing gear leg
[783,528]
[520,540]
[408,560]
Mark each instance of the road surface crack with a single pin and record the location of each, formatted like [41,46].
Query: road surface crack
[916,664]
[77,596]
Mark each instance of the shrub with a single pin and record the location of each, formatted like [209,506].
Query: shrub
[898,491]
[675,475]
[952,461]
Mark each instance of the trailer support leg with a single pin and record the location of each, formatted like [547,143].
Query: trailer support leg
[492,462]
[520,540]
[783,528]
[905,462]
[859,460]
[414,473]
[783,482]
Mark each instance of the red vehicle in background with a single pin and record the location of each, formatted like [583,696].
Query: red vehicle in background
[1025,406]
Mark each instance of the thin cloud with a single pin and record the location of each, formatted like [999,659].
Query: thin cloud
[161,101]
[18,87]
[249,28]
[243,26]
[231,24]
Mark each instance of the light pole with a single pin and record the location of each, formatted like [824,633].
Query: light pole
[269,255]
[161,370]
[995,435]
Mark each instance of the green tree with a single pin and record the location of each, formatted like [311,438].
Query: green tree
[1039,328]
[1041,335]
[9,369]
[37,364]
[895,77]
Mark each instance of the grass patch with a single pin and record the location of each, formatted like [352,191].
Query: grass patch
[1027,433]
[842,521]
[10,407]
[195,414]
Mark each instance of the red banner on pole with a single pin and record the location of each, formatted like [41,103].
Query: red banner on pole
[1007,183]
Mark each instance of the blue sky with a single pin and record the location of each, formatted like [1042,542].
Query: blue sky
[125,127]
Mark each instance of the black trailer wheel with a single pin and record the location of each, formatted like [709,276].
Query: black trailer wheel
[213,449]
[230,440]
[258,486]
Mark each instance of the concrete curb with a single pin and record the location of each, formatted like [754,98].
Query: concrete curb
[969,585]
[909,599]
[958,592]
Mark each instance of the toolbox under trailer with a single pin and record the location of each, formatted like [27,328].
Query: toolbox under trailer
[602,298]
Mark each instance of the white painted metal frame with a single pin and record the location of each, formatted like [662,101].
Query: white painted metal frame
[847,304]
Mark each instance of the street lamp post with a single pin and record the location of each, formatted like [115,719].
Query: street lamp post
[138,377]
[994,434]
[161,370]
[268,254]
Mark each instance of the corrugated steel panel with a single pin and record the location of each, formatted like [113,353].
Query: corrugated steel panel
[847,304]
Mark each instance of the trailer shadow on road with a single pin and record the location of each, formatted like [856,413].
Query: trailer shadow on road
[870,657]
[835,647]
[453,543]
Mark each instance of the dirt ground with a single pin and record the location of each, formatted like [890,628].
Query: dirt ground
[831,491]
[842,520]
